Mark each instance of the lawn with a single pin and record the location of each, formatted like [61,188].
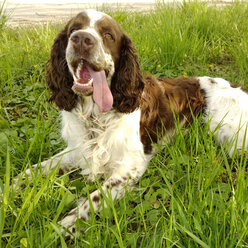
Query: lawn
[192,195]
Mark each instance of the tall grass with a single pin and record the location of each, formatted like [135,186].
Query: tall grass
[3,15]
[192,195]
[178,38]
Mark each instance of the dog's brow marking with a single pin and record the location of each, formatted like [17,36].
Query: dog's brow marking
[94,16]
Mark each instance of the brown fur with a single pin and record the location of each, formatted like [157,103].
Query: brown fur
[127,82]
[238,86]
[107,25]
[59,79]
[164,100]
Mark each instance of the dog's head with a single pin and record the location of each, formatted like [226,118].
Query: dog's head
[92,56]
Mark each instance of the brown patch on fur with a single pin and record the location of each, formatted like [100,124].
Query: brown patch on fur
[238,86]
[96,198]
[67,238]
[108,25]
[80,21]
[127,82]
[59,79]
[116,183]
[212,81]
[61,172]
[164,100]
[83,218]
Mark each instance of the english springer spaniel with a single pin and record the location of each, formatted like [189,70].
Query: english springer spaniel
[112,114]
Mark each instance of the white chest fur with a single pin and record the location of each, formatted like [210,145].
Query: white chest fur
[99,142]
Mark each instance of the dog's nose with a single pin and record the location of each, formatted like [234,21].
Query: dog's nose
[83,40]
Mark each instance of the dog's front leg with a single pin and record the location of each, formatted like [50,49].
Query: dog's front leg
[64,161]
[123,178]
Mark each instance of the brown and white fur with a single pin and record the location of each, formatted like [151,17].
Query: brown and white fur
[114,139]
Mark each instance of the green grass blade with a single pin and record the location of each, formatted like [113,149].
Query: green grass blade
[193,236]
[5,197]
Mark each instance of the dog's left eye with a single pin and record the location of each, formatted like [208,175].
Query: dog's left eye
[108,36]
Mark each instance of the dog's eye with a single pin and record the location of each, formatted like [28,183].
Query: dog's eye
[108,36]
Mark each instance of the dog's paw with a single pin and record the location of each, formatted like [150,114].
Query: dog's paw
[68,227]
[68,224]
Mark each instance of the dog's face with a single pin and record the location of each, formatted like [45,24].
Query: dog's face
[93,49]
[93,56]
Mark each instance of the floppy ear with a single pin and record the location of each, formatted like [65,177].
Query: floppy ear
[58,77]
[127,82]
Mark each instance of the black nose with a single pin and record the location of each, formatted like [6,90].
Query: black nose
[83,40]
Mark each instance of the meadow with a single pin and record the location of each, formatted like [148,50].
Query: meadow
[192,195]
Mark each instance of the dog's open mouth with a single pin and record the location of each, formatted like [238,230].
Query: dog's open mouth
[88,81]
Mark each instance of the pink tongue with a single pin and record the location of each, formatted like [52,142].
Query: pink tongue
[101,93]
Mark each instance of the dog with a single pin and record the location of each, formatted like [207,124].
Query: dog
[112,114]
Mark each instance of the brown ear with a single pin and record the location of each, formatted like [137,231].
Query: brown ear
[127,82]
[58,77]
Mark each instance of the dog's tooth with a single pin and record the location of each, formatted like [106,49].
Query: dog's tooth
[79,67]
[77,74]
[84,84]
[78,70]
[89,83]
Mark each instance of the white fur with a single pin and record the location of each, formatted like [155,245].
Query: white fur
[94,16]
[227,110]
[109,145]
[102,142]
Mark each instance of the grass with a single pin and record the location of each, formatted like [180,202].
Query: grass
[3,15]
[192,195]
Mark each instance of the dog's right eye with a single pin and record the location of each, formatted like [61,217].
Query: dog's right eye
[108,36]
